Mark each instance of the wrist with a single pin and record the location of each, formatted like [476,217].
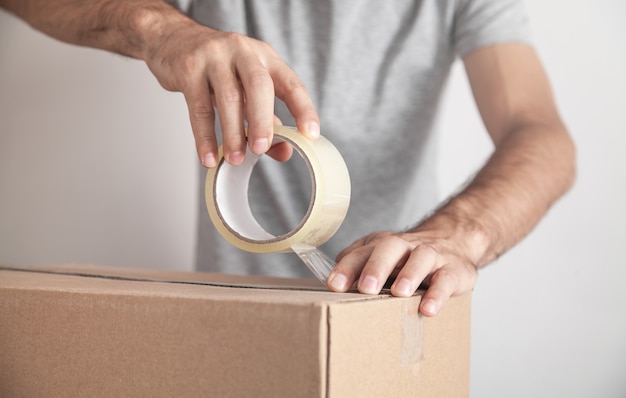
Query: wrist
[146,28]
[461,224]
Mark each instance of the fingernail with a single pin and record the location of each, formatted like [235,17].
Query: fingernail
[430,306]
[313,129]
[209,160]
[260,146]
[369,285]
[403,287]
[338,282]
[235,158]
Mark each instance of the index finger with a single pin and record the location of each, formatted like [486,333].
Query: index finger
[202,118]
[291,90]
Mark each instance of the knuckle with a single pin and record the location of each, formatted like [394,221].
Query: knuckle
[360,251]
[202,113]
[216,49]
[189,64]
[260,48]
[445,274]
[236,39]
[205,142]
[349,256]
[294,84]
[229,96]
[427,249]
[259,79]
[265,46]
[269,54]
[393,240]
[376,236]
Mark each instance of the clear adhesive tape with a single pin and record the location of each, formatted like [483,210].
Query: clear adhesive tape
[226,195]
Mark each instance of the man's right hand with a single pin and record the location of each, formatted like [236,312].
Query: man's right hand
[234,74]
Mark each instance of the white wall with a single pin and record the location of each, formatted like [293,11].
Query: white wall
[97,166]
[97,163]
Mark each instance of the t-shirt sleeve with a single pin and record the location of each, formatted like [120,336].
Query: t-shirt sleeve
[480,23]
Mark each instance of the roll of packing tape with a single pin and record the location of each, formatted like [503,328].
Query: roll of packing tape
[226,194]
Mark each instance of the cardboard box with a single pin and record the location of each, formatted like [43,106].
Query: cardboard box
[79,331]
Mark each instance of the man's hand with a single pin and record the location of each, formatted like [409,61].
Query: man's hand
[235,74]
[532,165]
[425,256]
[232,73]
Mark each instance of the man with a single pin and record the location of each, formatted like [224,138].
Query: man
[372,72]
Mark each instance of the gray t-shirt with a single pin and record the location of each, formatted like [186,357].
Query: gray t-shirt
[375,71]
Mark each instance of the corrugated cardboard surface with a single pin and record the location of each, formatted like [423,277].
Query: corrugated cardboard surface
[153,333]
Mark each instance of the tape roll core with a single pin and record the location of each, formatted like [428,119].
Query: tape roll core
[226,195]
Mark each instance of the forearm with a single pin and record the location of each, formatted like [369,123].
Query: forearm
[119,26]
[532,166]
[530,169]
[216,71]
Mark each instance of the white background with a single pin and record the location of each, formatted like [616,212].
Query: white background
[97,166]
